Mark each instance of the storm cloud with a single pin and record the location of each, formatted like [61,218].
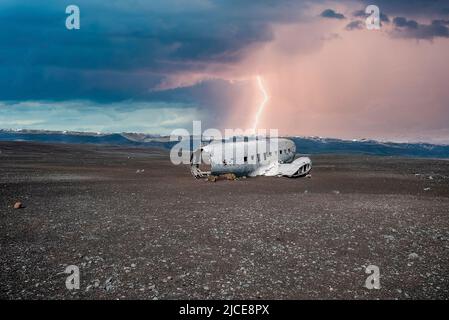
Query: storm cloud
[329,13]
[411,8]
[412,29]
[362,14]
[123,51]
[152,65]
[355,25]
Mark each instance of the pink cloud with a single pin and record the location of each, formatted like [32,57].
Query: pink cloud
[324,80]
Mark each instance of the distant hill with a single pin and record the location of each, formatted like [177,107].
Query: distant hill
[81,138]
[305,145]
[372,147]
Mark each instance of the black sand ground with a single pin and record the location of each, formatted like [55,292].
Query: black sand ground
[160,234]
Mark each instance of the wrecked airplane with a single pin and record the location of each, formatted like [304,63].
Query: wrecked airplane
[255,157]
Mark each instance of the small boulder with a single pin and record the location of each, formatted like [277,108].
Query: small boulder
[108,284]
[18,205]
[212,178]
[229,176]
[413,256]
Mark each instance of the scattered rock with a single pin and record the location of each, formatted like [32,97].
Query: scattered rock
[309,176]
[108,284]
[140,171]
[426,189]
[336,192]
[413,256]
[226,176]
[18,205]
[212,178]
[229,176]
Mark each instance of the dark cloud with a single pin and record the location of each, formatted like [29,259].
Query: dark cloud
[412,29]
[124,50]
[358,24]
[362,14]
[413,8]
[329,13]
[404,23]
[355,25]
[444,22]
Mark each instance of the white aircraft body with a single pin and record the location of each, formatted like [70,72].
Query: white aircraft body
[256,157]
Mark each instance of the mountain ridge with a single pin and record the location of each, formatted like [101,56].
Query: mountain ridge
[305,145]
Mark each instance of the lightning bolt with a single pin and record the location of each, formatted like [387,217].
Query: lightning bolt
[262,104]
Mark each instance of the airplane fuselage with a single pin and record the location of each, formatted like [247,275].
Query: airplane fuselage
[270,157]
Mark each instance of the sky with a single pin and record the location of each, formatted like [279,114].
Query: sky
[153,66]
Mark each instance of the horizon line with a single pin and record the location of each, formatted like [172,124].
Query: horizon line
[98,133]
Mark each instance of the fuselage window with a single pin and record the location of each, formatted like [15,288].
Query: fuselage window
[289,150]
[245,159]
[265,156]
[269,154]
[280,151]
[252,157]
[258,157]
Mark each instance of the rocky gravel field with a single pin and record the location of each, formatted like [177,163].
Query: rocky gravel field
[138,227]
